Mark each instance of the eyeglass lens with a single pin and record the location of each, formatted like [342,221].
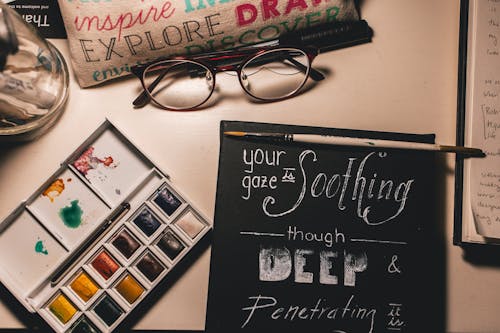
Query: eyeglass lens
[275,74]
[184,84]
[179,84]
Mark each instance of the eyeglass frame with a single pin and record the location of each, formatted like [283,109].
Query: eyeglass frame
[210,61]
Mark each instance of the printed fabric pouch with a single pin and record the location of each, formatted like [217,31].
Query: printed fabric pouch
[107,37]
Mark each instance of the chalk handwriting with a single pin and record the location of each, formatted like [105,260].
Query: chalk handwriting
[328,238]
[289,176]
[395,323]
[393,266]
[277,264]
[270,306]
[366,186]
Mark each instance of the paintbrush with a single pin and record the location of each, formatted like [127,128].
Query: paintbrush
[359,142]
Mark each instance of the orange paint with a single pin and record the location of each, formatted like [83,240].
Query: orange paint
[54,190]
[108,161]
[130,289]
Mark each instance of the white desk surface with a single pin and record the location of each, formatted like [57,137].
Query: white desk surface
[404,81]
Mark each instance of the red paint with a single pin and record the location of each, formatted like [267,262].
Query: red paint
[87,161]
[105,265]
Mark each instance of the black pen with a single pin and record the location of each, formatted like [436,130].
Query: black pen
[89,244]
[330,36]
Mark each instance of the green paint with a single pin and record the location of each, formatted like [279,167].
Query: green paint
[71,215]
[40,248]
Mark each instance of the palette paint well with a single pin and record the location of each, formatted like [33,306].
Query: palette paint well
[62,308]
[111,166]
[126,243]
[108,310]
[73,213]
[147,222]
[105,265]
[130,289]
[83,325]
[37,253]
[150,267]
[167,201]
[170,244]
[84,286]
[190,224]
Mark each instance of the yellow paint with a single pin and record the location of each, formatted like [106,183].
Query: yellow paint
[62,308]
[130,289]
[54,190]
[84,287]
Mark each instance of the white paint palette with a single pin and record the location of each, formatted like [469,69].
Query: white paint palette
[97,237]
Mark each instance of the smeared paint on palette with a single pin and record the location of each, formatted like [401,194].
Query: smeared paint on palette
[88,161]
[55,189]
[71,215]
[40,248]
[111,167]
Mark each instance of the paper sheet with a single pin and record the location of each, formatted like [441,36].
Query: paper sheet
[483,111]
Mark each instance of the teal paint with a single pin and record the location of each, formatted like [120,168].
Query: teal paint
[40,248]
[72,215]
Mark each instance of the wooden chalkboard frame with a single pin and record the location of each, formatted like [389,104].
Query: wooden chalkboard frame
[215,317]
[460,132]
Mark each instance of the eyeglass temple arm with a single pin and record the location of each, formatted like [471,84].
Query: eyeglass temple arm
[144,97]
[313,73]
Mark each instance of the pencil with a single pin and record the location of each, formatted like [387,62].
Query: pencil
[358,142]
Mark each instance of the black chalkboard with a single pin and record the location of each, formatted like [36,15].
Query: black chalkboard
[317,238]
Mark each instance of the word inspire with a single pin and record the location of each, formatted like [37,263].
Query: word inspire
[366,188]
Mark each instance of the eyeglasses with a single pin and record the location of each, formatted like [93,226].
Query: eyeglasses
[267,74]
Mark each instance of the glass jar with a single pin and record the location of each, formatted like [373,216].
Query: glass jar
[33,79]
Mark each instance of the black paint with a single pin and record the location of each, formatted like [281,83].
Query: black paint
[126,244]
[150,267]
[167,201]
[147,222]
[84,326]
[108,310]
[170,244]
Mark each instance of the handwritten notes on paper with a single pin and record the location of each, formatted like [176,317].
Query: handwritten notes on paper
[319,238]
[484,118]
